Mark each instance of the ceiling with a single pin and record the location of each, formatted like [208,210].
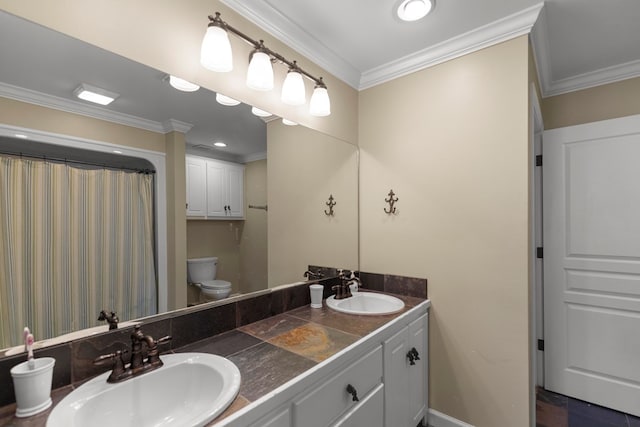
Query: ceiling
[577,43]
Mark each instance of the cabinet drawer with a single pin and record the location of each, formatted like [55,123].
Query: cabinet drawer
[369,412]
[330,399]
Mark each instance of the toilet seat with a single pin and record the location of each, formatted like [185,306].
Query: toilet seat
[215,284]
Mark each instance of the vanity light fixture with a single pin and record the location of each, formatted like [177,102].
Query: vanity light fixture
[320,105]
[412,10]
[183,85]
[215,54]
[260,113]
[226,100]
[95,94]
[220,144]
[260,71]
[293,90]
[289,122]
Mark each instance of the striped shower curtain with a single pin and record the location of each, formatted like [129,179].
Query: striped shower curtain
[72,242]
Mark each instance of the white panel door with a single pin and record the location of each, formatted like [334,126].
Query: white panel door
[591,222]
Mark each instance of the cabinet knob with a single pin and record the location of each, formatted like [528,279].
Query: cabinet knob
[416,355]
[353,392]
[411,358]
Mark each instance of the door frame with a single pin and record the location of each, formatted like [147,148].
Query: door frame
[536,310]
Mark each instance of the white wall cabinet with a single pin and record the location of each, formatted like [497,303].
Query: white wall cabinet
[215,189]
[391,391]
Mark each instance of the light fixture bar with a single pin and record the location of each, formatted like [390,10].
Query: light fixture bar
[259,44]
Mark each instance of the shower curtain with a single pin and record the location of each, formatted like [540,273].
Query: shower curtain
[72,242]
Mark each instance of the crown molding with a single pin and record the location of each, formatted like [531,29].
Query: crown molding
[271,20]
[254,157]
[603,76]
[49,101]
[504,29]
[172,125]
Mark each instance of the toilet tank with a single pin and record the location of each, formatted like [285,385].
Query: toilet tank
[201,269]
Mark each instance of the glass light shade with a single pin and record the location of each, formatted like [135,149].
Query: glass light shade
[260,113]
[215,53]
[289,122]
[412,10]
[320,105]
[183,85]
[260,72]
[226,100]
[293,91]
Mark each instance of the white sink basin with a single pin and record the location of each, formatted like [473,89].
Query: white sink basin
[190,389]
[367,303]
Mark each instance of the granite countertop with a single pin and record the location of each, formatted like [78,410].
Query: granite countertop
[268,353]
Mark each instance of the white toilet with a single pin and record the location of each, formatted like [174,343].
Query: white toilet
[201,272]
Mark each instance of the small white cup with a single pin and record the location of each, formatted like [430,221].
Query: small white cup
[33,386]
[316,295]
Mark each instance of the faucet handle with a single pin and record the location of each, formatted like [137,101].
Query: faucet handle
[111,357]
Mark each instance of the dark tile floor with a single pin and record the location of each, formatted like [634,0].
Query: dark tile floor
[556,410]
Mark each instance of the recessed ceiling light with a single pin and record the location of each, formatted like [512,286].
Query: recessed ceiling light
[182,84]
[219,144]
[21,136]
[226,100]
[412,10]
[289,122]
[95,94]
[260,113]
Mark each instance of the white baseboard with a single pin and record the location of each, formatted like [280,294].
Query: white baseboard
[438,419]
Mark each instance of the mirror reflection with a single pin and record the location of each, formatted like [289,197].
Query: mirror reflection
[287,173]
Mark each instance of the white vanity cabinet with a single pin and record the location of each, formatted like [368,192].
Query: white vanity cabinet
[405,374]
[215,189]
[391,392]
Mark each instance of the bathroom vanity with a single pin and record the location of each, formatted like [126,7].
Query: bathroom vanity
[379,380]
[299,366]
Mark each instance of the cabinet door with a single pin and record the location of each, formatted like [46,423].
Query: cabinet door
[369,412]
[396,380]
[196,175]
[216,193]
[418,373]
[235,199]
[405,384]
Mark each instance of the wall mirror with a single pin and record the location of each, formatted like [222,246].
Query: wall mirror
[292,170]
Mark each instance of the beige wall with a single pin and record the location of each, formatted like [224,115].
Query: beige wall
[166,35]
[305,167]
[253,245]
[452,143]
[604,102]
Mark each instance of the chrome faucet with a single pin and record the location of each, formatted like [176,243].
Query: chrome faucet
[137,363]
